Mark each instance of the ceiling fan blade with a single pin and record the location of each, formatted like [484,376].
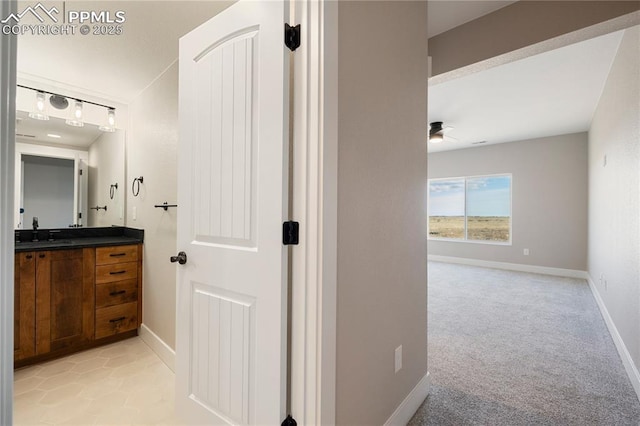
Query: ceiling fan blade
[447,129]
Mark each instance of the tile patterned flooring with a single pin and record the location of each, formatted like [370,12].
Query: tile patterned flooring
[123,383]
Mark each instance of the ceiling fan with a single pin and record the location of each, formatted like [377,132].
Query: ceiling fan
[437,133]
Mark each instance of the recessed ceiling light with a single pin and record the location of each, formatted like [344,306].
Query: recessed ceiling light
[51,135]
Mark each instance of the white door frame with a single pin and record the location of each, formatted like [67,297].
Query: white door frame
[8,45]
[315,177]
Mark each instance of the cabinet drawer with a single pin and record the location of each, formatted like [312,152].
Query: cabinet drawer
[117,254]
[116,293]
[116,272]
[116,319]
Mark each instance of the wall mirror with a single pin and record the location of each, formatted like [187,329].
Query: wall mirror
[66,175]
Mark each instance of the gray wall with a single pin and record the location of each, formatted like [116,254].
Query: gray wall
[48,191]
[382,177]
[614,206]
[517,26]
[549,199]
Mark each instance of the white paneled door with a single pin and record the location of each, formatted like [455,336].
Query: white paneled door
[232,200]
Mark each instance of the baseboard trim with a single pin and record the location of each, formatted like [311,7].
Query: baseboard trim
[410,404]
[157,345]
[625,356]
[560,272]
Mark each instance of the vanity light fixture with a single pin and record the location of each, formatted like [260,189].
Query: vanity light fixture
[40,113]
[110,125]
[59,101]
[76,118]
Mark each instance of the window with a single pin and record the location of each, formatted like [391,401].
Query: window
[476,208]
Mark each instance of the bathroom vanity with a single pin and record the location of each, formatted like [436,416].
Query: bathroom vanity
[75,288]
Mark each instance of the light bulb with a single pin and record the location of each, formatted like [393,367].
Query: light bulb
[436,138]
[76,119]
[110,126]
[39,113]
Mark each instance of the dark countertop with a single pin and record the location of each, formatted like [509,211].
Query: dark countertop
[76,238]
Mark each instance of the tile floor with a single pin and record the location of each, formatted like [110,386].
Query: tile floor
[124,383]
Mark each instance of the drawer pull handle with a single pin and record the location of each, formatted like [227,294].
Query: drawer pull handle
[117,272]
[117,319]
[41,256]
[29,256]
[117,254]
[115,293]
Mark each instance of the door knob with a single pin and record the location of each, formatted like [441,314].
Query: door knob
[181,258]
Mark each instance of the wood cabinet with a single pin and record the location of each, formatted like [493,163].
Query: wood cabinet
[117,294]
[65,292]
[24,306]
[68,300]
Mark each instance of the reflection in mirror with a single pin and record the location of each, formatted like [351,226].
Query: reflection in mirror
[63,173]
[47,191]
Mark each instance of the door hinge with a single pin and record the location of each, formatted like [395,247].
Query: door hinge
[292,36]
[290,233]
[289,421]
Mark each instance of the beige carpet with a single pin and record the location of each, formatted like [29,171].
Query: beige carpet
[511,348]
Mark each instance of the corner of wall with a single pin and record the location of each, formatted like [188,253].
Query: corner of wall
[157,345]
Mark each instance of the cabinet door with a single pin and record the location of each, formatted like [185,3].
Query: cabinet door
[65,298]
[24,323]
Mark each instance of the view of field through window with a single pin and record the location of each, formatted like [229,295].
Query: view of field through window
[471,208]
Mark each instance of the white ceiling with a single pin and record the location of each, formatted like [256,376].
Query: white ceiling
[552,93]
[444,15]
[37,131]
[117,66]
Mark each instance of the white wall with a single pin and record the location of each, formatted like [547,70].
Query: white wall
[549,199]
[48,191]
[614,206]
[106,167]
[152,153]
[382,181]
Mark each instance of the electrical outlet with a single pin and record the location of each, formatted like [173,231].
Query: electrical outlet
[526,252]
[398,358]
[135,213]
